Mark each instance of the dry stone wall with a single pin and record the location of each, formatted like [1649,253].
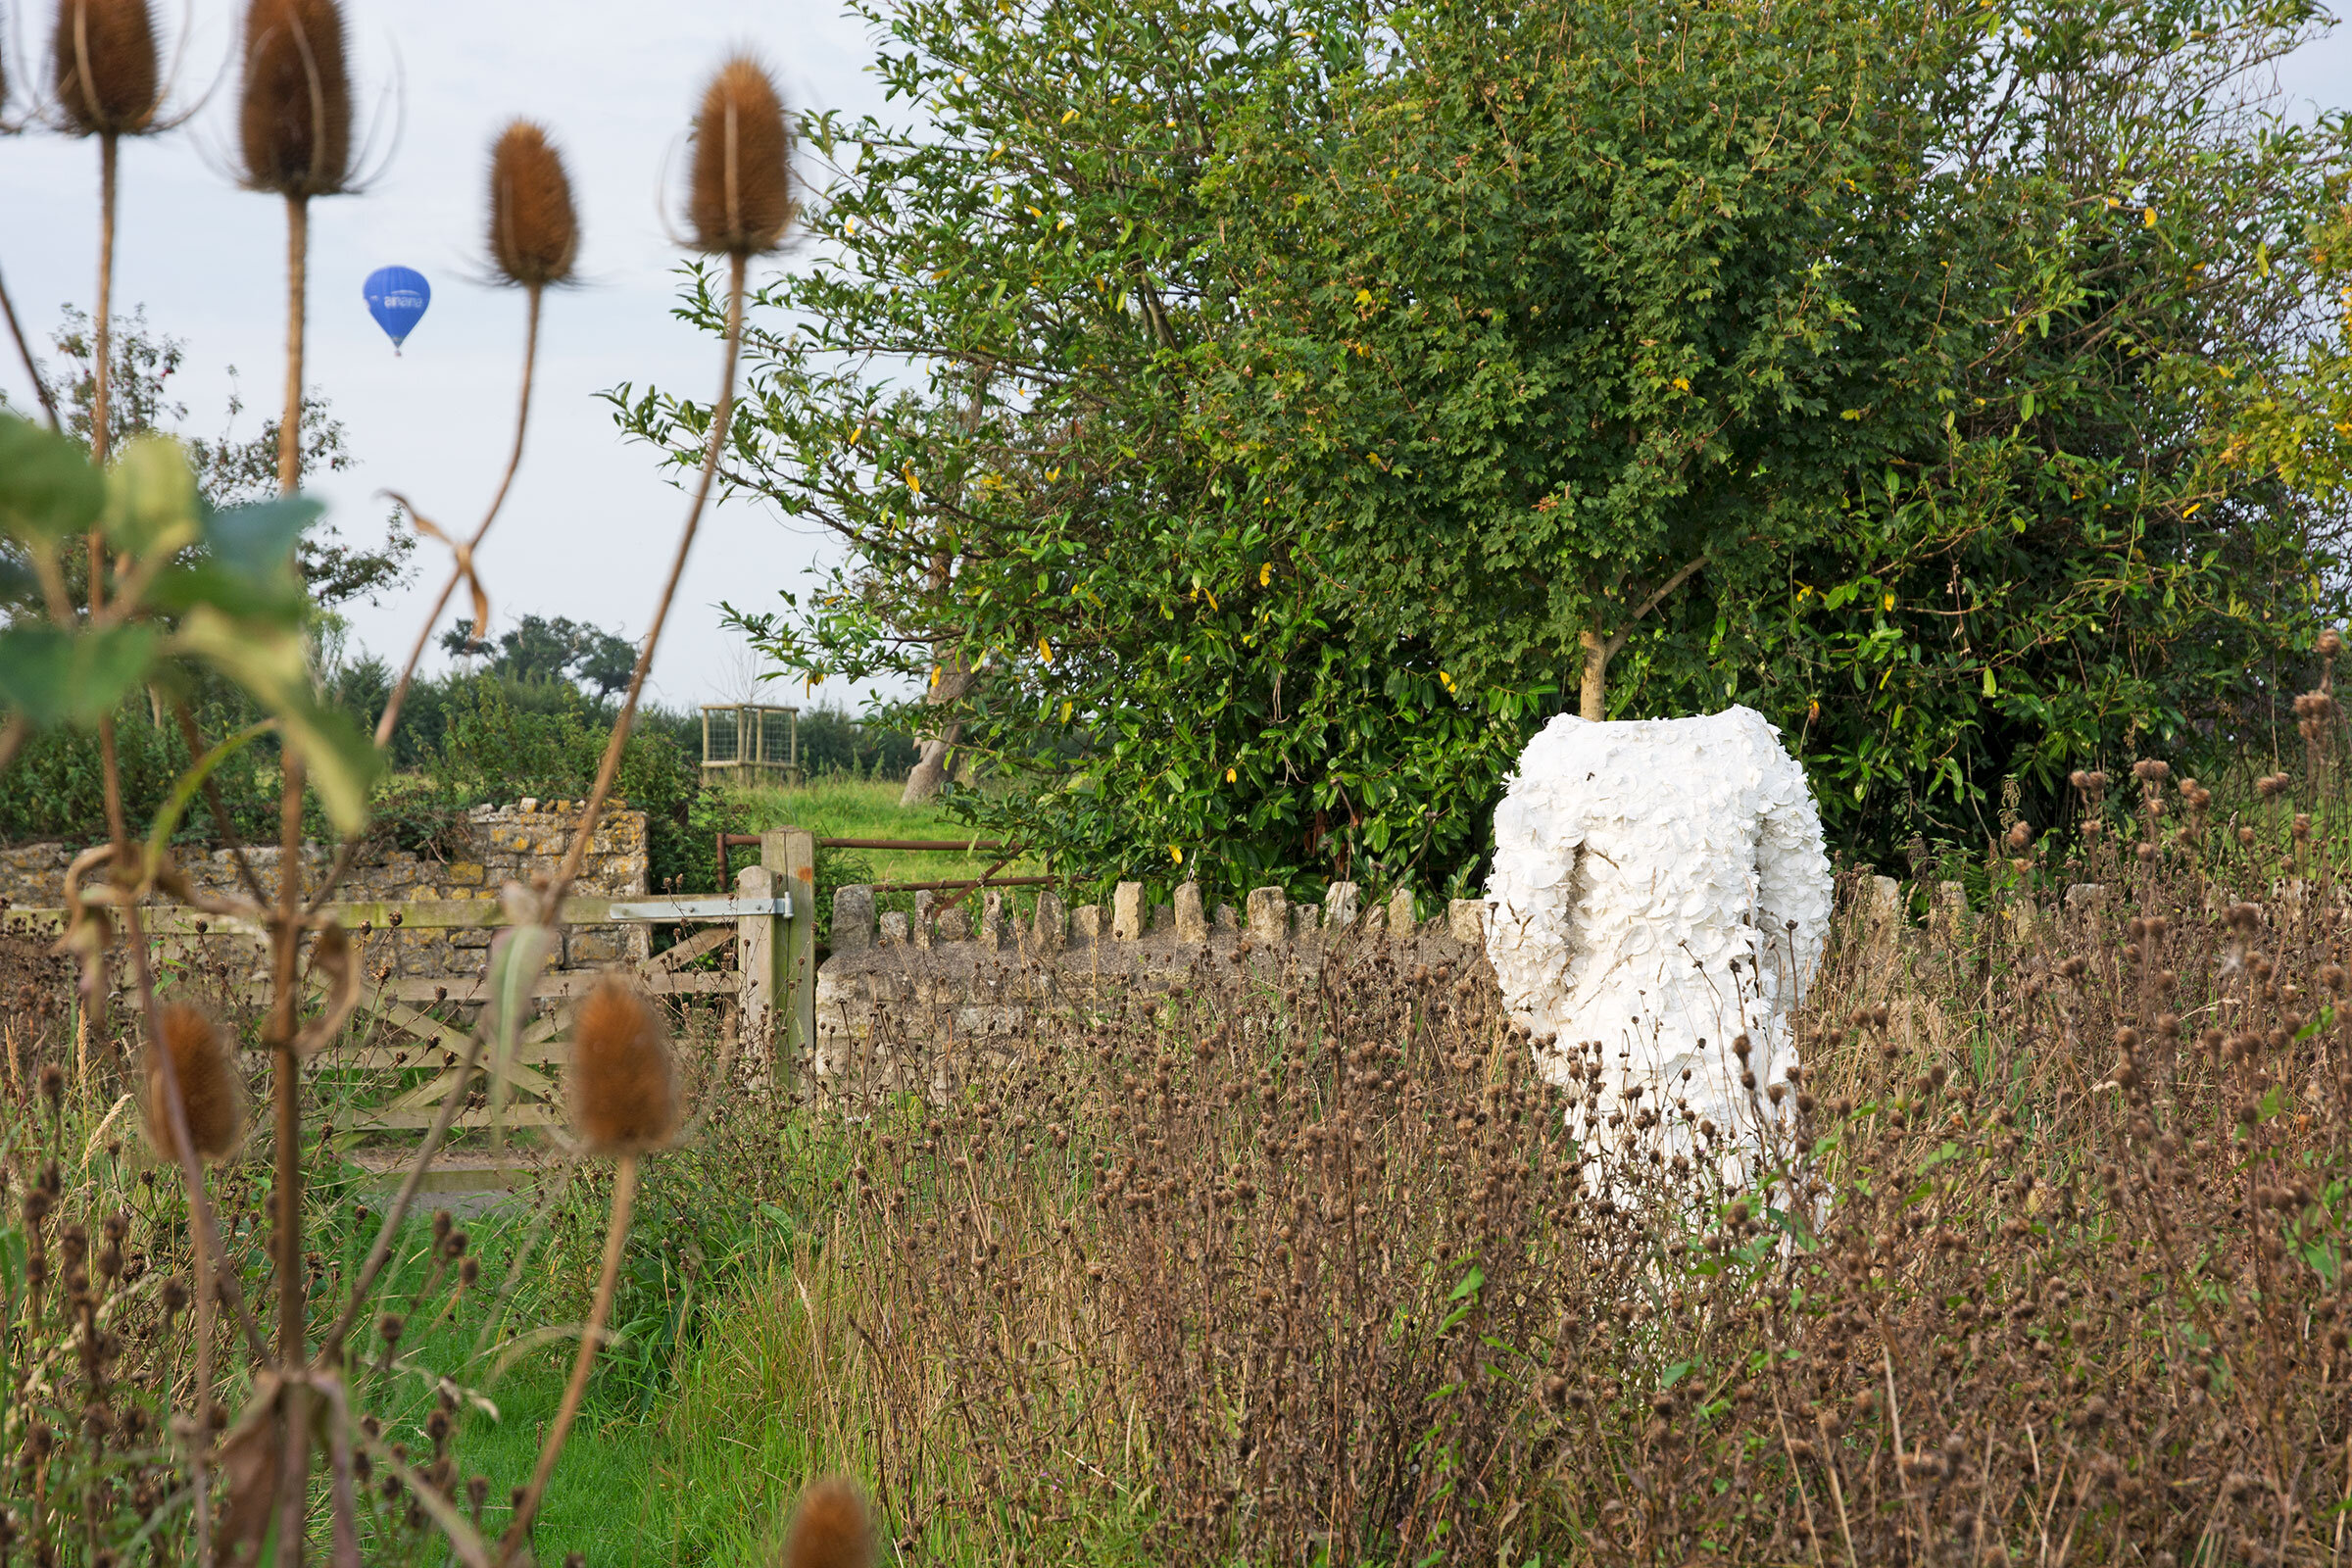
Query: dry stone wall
[523,843]
[904,995]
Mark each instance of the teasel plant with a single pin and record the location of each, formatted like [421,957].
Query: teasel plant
[739,204]
[191,586]
[533,242]
[108,83]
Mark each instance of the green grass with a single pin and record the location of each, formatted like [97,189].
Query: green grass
[641,1481]
[837,806]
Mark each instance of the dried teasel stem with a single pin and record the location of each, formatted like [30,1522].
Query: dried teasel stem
[108,85]
[208,1279]
[534,237]
[624,1101]
[722,414]
[739,202]
[592,1332]
[102,350]
[281,1031]
[32,367]
[298,276]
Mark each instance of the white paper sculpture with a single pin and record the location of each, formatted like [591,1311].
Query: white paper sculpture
[1659,889]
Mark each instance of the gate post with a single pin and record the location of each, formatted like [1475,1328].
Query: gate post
[758,959]
[791,856]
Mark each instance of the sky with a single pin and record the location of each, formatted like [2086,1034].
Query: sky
[592,521]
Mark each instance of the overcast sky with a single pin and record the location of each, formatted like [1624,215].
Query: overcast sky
[589,528]
[591,522]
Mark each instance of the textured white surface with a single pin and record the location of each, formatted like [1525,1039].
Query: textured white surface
[1660,888]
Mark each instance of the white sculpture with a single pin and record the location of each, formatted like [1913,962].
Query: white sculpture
[1660,888]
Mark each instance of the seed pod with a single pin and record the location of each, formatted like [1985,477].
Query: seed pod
[830,1529]
[107,79]
[534,232]
[739,200]
[625,1095]
[294,121]
[212,1093]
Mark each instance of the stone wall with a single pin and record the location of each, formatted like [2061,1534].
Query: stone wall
[523,843]
[902,993]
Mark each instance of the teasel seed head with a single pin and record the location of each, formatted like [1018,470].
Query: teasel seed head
[739,200]
[294,119]
[107,79]
[212,1091]
[830,1529]
[624,1097]
[534,231]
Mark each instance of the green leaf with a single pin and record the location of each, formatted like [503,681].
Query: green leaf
[48,488]
[151,503]
[272,662]
[259,540]
[55,676]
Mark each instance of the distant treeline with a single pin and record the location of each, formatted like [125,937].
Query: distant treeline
[465,738]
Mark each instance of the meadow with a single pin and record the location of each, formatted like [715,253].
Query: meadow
[1297,1265]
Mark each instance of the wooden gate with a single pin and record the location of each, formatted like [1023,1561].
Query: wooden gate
[401,1062]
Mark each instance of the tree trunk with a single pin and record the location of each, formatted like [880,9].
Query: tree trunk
[1593,698]
[930,771]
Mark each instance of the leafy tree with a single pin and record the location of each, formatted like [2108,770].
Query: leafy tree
[232,471]
[1562,310]
[1133,648]
[1246,421]
[1585,301]
[544,649]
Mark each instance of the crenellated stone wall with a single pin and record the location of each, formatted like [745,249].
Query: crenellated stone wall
[902,992]
[521,843]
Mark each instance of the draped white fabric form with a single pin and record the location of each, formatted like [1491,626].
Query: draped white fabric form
[1660,888]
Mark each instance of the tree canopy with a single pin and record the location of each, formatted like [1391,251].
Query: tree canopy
[544,649]
[1247,421]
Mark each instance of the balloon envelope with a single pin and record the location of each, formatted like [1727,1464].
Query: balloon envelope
[397,297]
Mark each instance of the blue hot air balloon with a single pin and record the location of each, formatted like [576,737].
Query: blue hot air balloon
[396,297]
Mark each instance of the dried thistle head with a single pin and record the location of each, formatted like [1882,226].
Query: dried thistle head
[212,1091]
[107,79]
[294,117]
[739,200]
[534,232]
[624,1095]
[830,1529]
